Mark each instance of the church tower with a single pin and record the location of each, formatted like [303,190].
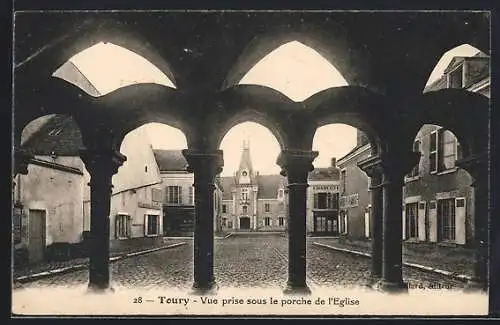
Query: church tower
[245,173]
[246,192]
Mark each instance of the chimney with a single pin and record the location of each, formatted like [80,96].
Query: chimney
[333,162]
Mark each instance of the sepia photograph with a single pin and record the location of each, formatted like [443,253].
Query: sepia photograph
[244,162]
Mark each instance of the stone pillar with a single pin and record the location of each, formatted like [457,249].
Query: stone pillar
[102,163]
[477,167]
[295,166]
[205,166]
[394,165]
[372,167]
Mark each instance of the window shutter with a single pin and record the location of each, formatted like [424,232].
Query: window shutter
[367,224]
[433,221]
[346,231]
[117,227]
[129,226]
[316,200]
[404,222]
[180,201]
[460,215]
[145,225]
[421,221]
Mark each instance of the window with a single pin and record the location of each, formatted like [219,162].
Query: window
[230,224]
[281,221]
[174,195]
[446,219]
[444,151]
[145,168]
[122,226]
[343,180]
[325,200]
[156,195]
[245,209]
[244,194]
[267,207]
[55,132]
[152,225]
[267,221]
[416,148]
[411,212]
[224,222]
[191,195]
[280,194]
[433,161]
[224,208]
[455,78]
[447,150]
[343,222]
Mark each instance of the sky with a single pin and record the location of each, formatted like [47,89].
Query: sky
[294,69]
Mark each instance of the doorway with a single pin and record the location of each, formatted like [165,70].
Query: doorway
[36,242]
[244,223]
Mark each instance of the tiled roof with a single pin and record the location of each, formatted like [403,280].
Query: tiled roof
[170,160]
[324,174]
[269,185]
[60,135]
[227,183]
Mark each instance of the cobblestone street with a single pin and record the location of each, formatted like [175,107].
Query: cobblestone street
[241,261]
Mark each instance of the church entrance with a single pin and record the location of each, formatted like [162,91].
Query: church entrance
[244,223]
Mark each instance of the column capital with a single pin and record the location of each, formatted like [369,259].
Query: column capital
[395,164]
[210,161]
[372,166]
[292,161]
[22,157]
[102,160]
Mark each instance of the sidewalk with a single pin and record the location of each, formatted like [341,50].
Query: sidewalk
[457,261]
[47,268]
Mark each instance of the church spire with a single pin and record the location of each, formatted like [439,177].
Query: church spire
[246,160]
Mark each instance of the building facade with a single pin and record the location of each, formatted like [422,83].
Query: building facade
[355,201]
[255,202]
[136,200]
[178,194]
[438,200]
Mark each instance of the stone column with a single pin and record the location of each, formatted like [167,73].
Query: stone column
[477,167]
[205,166]
[394,166]
[295,166]
[102,163]
[372,167]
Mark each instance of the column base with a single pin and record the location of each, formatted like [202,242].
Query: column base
[372,281]
[475,286]
[205,289]
[98,288]
[296,289]
[392,287]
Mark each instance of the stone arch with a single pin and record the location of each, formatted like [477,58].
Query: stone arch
[50,132]
[92,32]
[338,50]
[436,78]
[251,103]
[461,112]
[256,116]
[354,106]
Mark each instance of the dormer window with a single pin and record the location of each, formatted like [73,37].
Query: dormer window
[455,78]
